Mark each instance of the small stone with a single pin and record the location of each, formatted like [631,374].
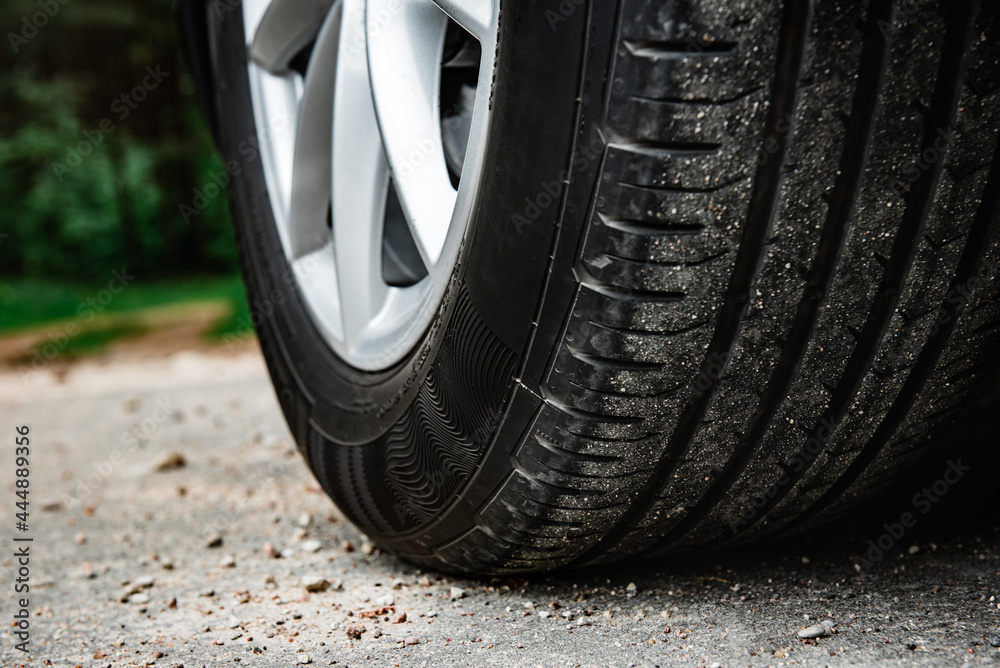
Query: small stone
[206,593]
[310,546]
[914,549]
[214,541]
[456,593]
[817,630]
[303,520]
[172,604]
[80,538]
[315,583]
[270,551]
[544,614]
[630,589]
[228,561]
[397,584]
[780,654]
[386,600]
[171,462]
[140,584]
[354,632]
[140,598]
[715,664]
[399,618]
[303,658]
[805,560]
[432,613]
[367,548]
[411,640]
[347,546]
[583,621]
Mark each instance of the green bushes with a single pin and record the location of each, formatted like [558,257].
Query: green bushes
[96,153]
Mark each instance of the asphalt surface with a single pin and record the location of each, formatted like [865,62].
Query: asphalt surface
[174,524]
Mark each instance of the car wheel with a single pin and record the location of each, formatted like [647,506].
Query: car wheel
[551,283]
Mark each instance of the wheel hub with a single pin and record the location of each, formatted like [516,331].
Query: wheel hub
[371,124]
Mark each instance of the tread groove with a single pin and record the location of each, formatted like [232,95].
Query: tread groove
[946,96]
[851,172]
[763,202]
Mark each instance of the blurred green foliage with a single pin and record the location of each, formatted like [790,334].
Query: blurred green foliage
[90,180]
[27,302]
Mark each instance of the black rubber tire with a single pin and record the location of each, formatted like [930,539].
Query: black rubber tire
[732,271]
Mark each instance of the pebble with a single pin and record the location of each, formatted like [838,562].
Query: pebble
[456,593]
[411,640]
[228,561]
[914,549]
[817,630]
[583,621]
[310,546]
[171,462]
[80,538]
[303,658]
[367,548]
[995,641]
[214,541]
[432,613]
[140,598]
[354,632]
[133,588]
[206,593]
[303,520]
[399,618]
[386,600]
[630,589]
[315,583]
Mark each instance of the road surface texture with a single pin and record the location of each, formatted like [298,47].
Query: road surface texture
[174,525]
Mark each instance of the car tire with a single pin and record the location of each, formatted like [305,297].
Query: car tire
[729,271]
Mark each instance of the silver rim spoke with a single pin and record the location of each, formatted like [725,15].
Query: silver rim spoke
[403,54]
[311,169]
[361,185]
[476,16]
[285,29]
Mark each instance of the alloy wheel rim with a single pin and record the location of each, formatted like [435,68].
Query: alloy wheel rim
[371,120]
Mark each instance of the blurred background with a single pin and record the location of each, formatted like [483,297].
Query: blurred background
[101,143]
